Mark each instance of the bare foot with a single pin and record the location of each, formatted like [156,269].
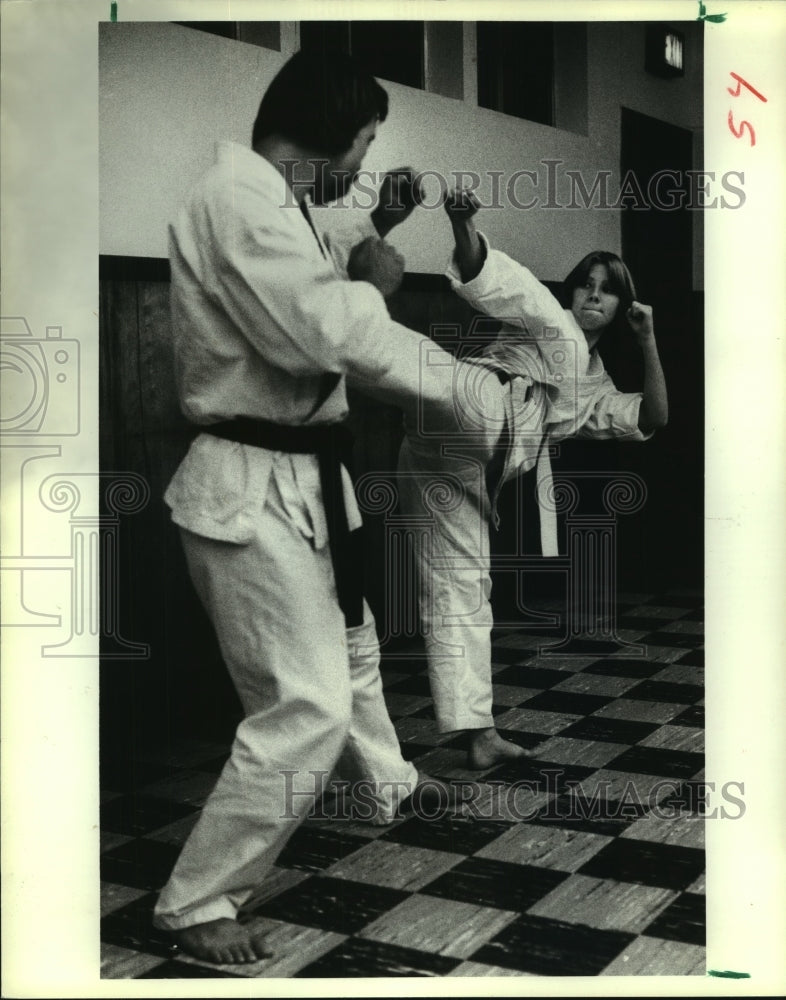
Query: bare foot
[223,941]
[488,748]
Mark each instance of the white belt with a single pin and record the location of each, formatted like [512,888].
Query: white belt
[544,491]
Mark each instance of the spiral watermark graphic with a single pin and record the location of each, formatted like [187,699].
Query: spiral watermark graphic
[625,494]
[444,493]
[127,493]
[557,494]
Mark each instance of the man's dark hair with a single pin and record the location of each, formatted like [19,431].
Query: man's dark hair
[320,101]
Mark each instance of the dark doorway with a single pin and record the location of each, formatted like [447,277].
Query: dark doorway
[657,245]
[657,242]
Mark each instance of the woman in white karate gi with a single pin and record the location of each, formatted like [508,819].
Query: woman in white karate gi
[540,381]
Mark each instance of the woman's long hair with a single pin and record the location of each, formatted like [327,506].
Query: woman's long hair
[620,283]
[616,344]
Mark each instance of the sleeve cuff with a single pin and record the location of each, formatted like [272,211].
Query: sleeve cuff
[341,240]
[635,433]
[477,282]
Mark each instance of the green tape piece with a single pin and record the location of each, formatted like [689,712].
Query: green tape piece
[714,18]
[113,11]
[727,974]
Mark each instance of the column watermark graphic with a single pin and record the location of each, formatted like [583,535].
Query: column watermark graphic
[93,560]
[591,559]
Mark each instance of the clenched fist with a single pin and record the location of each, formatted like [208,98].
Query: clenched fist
[640,318]
[399,194]
[461,204]
[377,262]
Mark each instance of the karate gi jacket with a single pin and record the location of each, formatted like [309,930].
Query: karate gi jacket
[559,388]
[264,327]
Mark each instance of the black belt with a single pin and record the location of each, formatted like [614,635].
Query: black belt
[332,444]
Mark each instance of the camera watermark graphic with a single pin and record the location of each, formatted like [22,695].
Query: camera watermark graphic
[48,582]
[39,381]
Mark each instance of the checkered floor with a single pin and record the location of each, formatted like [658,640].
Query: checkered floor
[586,858]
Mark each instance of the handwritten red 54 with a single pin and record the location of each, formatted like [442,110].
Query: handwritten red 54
[737,131]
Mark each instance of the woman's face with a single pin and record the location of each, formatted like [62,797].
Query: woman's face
[594,306]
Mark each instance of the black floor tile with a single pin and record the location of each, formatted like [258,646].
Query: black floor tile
[427,712]
[508,654]
[131,927]
[680,694]
[416,684]
[457,834]
[544,775]
[530,677]
[142,864]
[636,622]
[134,815]
[595,727]
[312,849]
[411,750]
[500,884]
[129,775]
[623,668]
[359,957]
[553,948]
[587,647]
[567,702]
[693,716]
[691,798]
[695,658]
[658,761]
[215,765]
[185,970]
[333,904]
[668,866]
[404,665]
[684,640]
[684,920]
[545,631]
[676,601]
[607,817]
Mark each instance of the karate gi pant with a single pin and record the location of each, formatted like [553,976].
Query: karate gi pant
[310,689]
[442,484]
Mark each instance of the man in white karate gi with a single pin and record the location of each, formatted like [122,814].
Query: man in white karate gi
[266,332]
